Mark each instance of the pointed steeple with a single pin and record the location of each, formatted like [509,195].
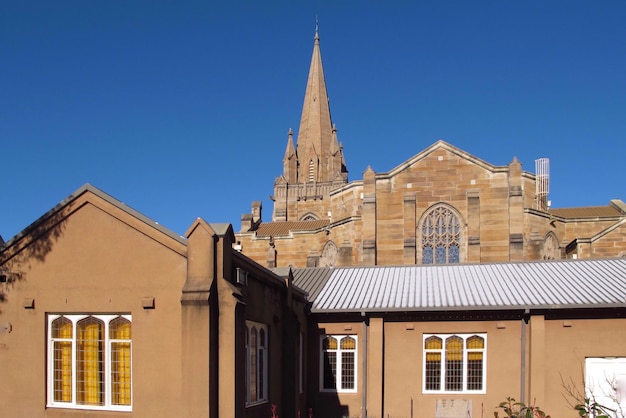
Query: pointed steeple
[315,137]
[315,166]
[290,161]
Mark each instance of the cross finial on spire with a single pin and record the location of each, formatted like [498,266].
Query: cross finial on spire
[317,26]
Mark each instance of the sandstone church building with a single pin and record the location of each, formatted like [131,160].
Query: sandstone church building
[435,290]
[443,205]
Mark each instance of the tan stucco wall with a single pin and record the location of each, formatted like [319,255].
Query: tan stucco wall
[568,343]
[99,262]
[404,360]
[188,349]
[554,348]
[333,404]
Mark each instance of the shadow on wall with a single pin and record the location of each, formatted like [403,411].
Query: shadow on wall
[32,244]
[327,358]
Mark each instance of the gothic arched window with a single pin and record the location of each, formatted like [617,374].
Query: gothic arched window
[310,217]
[441,236]
[330,253]
[551,250]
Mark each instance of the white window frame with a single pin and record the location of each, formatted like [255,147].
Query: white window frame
[260,367]
[107,403]
[339,363]
[442,370]
[605,382]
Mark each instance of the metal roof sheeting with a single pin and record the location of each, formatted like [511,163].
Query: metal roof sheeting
[312,280]
[547,284]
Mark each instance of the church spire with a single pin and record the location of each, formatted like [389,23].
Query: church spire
[315,136]
[313,166]
[290,162]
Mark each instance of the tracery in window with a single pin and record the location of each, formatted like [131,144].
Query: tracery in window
[309,217]
[441,236]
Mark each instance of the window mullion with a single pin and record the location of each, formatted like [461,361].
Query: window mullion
[74,348]
[75,320]
[107,365]
[339,379]
[442,367]
[465,357]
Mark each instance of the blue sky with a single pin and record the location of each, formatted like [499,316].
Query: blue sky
[181,109]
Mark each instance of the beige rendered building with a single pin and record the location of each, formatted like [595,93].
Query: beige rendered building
[443,205]
[105,313]
[454,341]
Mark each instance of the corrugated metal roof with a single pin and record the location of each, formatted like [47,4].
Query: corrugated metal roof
[276,229]
[547,284]
[311,280]
[586,212]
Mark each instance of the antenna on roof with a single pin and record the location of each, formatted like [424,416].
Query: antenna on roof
[542,183]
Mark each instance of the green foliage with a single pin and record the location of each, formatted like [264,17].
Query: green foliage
[514,409]
[592,409]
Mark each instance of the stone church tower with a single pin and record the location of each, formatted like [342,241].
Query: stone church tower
[316,165]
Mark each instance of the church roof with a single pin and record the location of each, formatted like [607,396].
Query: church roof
[56,214]
[587,212]
[276,229]
[590,283]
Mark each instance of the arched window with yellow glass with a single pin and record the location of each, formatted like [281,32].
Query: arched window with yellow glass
[454,363]
[338,360]
[90,361]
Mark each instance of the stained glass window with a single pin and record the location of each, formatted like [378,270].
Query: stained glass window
[441,236]
[90,361]
[454,363]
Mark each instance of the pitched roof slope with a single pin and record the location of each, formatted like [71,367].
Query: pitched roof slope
[312,280]
[276,229]
[87,189]
[586,212]
[538,285]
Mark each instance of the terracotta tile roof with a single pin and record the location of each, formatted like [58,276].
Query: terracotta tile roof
[586,212]
[275,229]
